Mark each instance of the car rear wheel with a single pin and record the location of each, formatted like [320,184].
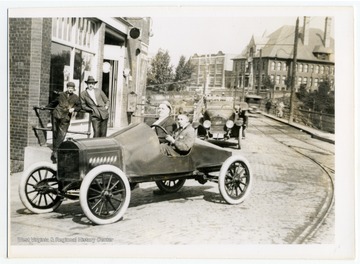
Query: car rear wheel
[39,187]
[105,194]
[235,180]
[170,186]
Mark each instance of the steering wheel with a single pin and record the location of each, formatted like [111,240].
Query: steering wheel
[162,128]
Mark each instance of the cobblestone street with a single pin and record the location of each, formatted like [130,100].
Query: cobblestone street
[287,193]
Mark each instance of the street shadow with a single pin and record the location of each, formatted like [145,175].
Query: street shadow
[214,198]
[71,209]
[143,196]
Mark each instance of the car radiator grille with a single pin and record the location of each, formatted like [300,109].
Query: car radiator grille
[68,164]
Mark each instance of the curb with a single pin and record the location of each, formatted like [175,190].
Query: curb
[303,128]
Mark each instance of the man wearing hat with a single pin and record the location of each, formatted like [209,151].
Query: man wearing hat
[94,100]
[64,106]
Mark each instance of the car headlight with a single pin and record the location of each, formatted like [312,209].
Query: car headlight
[207,124]
[229,124]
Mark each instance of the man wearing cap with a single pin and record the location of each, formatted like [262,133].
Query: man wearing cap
[64,106]
[95,102]
[165,120]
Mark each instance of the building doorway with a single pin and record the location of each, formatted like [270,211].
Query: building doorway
[112,82]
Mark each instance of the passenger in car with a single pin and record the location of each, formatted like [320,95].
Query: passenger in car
[181,142]
[165,120]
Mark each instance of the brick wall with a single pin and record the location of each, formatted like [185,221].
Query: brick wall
[29,66]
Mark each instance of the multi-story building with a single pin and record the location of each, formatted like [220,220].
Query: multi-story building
[210,71]
[269,60]
[46,53]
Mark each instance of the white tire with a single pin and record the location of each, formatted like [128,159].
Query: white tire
[38,186]
[105,194]
[235,179]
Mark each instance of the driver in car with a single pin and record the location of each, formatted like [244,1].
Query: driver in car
[182,140]
[165,121]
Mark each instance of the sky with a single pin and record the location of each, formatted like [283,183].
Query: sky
[186,36]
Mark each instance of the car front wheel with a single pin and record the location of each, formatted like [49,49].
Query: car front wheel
[105,194]
[170,186]
[39,187]
[235,180]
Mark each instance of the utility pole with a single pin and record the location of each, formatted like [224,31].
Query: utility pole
[293,73]
[260,66]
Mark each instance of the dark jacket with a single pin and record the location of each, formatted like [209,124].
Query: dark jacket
[63,103]
[98,110]
[169,124]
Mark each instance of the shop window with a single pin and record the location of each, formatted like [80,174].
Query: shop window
[60,69]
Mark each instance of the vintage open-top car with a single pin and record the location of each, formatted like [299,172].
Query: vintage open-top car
[221,122]
[102,172]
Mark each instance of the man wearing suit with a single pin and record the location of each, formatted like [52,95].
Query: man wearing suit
[165,121]
[65,105]
[182,140]
[96,103]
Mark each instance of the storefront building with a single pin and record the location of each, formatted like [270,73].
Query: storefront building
[46,53]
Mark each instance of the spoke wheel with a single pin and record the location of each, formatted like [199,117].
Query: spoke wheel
[170,186]
[39,187]
[105,194]
[235,180]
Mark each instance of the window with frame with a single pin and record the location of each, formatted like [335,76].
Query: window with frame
[317,69]
[72,53]
[273,66]
[277,80]
[306,68]
[316,82]
[300,67]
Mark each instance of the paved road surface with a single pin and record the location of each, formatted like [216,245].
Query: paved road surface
[287,195]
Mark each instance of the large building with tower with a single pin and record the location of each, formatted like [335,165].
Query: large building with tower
[271,57]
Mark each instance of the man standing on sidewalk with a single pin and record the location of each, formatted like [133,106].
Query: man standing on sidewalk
[65,105]
[95,102]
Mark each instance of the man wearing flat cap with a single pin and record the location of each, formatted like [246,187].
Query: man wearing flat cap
[95,102]
[64,106]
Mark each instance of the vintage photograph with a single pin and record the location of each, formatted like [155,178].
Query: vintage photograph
[206,131]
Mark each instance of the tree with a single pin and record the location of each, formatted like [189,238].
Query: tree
[303,93]
[268,83]
[160,72]
[182,74]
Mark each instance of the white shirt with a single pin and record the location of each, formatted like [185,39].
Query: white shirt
[92,95]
